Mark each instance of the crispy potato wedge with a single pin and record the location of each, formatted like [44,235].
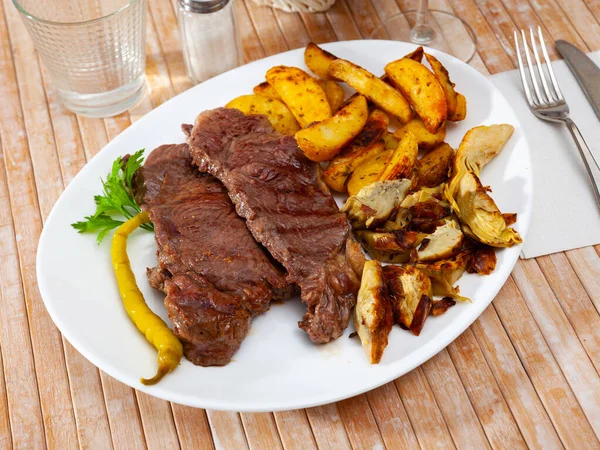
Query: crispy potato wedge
[373,316]
[367,143]
[416,55]
[402,161]
[266,90]
[317,60]
[278,114]
[334,93]
[375,203]
[448,86]
[323,140]
[434,167]
[390,141]
[410,292]
[425,139]
[301,93]
[461,109]
[372,87]
[368,171]
[422,90]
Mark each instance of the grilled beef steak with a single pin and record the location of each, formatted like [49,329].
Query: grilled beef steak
[215,275]
[287,208]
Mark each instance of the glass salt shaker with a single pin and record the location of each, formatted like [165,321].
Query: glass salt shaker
[209,36]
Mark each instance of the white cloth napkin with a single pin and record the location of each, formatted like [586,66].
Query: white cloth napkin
[565,214]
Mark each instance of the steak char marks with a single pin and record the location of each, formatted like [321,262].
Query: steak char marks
[287,208]
[215,275]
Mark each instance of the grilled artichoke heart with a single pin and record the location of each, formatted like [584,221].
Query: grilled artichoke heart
[443,274]
[410,292]
[375,203]
[390,246]
[477,212]
[443,243]
[373,316]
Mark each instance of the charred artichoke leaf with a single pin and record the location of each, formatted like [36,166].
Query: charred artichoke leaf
[443,243]
[410,292]
[400,221]
[422,195]
[443,274]
[484,221]
[373,315]
[375,203]
[389,246]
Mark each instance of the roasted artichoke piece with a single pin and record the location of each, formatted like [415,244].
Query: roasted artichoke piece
[422,195]
[375,203]
[428,215]
[443,274]
[398,221]
[444,243]
[373,316]
[390,246]
[479,215]
[439,307]
[482,261]
[410,291]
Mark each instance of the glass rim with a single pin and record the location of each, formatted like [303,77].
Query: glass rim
[30,16]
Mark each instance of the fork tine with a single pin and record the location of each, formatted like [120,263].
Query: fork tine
[549,66]
[522,71]
[539,67]
[532,74]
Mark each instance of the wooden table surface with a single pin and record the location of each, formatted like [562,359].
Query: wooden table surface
[526,373]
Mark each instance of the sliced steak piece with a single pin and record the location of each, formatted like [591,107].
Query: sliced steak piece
[215,275]
[287,208]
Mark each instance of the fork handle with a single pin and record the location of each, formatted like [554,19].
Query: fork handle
[590,163]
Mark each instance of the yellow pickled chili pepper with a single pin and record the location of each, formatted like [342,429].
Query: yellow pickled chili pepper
[153,327]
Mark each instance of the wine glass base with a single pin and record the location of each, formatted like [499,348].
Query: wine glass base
[449,33]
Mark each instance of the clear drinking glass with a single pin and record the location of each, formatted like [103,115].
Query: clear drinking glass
[436,29]
[94,50]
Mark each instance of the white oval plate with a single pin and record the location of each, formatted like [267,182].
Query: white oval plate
[277,367]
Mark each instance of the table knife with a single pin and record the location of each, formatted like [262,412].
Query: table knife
[586,72]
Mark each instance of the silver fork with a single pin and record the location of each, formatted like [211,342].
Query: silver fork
[549,104]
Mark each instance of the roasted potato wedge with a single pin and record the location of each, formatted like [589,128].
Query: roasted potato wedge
[410,292]
[443,243]
[318,60]
[461,108]
[368,171]
[301,93]
[373,316]
[416,55]
[278,114]
[422,90]
[367,143]
[323,140]
[374,204]
[448,86]
[425,139]
[390,141]
[372,87]
[266,90]
[334,93]
[402,161]
[434,167]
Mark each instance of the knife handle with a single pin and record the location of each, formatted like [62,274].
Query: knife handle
[591,165]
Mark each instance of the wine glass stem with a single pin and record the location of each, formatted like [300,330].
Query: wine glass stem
[422,33]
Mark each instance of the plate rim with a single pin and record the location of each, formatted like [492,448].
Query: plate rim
[426,352]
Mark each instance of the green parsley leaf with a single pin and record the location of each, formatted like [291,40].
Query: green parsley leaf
[117,198]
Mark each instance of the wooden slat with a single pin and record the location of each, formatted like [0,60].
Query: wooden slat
[318,27]
[544,372]
[293,29]
[423,411]
[294,430]
[157,421]
[492,410]
[454,403]
[364,16]
[192,428]
[360,424]
[250,42]
[5,438]
[261,431]
[267,29]
[391,417]
[342,22]
[586,263]
[227,430]
[328,427]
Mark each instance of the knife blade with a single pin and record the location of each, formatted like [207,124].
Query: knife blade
[586,72]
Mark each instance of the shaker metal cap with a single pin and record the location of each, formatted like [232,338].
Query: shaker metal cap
[203,6]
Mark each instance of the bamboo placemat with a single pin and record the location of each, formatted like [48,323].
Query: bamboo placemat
[524,374]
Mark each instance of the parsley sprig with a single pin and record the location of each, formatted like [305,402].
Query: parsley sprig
[117,198]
